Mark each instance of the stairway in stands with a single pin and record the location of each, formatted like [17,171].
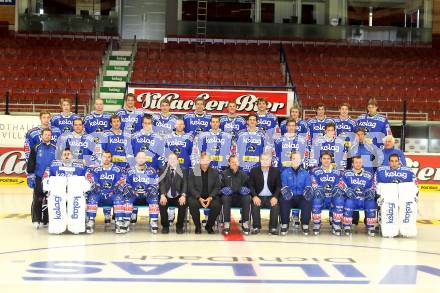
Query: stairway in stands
[116,73]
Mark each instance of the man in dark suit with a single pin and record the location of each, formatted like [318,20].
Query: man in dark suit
[265,185]
[173,186]
[204,188]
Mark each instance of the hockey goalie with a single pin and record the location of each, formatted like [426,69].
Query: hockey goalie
[66,185]
[398,191]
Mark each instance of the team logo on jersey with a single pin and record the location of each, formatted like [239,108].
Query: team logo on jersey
[251,148]
[120,149]
[368,124]
[395,173]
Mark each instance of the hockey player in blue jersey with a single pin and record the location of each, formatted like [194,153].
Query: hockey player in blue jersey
[152,145]
[181,144]
[215,143]
[317,124]
[360,191]
[377,125]
[332,144]
[345,126]
[107,190]
[117,143]
[81,145]
[251,144]
[197,121]
[398,191]
[33,135]
[371,155]
[267,122]
[64,120]
[232,123]
[143,182]
[164,122]
[97,121]
[389,149]
[131,118]
[301,125]
[149,142]
[327,193]
[288,143]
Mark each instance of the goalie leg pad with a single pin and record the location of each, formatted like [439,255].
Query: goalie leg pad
[316,210]
[56,205]
[408,209]
[389,210]
[76,213]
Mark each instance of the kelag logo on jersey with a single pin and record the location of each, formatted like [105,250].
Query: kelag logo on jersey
[273,271]
[395,173]
[367,124]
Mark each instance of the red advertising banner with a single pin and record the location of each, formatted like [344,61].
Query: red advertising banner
[12,166]
[427,169]
[182,100]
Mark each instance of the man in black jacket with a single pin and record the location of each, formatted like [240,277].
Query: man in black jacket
[173,186]
[235,192]
[204,188]
[265,185]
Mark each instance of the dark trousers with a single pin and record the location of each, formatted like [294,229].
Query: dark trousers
[173,202]
[236,200]
[214,210]
[38,215]
[297,202]
[274,213]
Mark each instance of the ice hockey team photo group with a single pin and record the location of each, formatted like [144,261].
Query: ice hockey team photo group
[203,166]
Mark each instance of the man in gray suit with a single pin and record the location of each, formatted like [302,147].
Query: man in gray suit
[173,186]
[204,188]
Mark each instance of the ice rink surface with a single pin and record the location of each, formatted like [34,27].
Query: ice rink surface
[34,261]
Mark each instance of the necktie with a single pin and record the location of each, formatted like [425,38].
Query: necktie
[173,185]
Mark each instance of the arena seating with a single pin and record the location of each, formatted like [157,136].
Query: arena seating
[40,71]
[226,65]
[355,74]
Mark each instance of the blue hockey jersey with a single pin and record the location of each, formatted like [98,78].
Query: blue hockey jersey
[95,122]
[64,123]
[287,144]
[182,146]
[119,145]
[217,146]
[317,127]
[377,127]
[140,180]
[131,121]
[58,168]
[105,179]
[335,146]
[164,125]
[232,125]
[385,174]
[301,127]
[195,123]
[250,145]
